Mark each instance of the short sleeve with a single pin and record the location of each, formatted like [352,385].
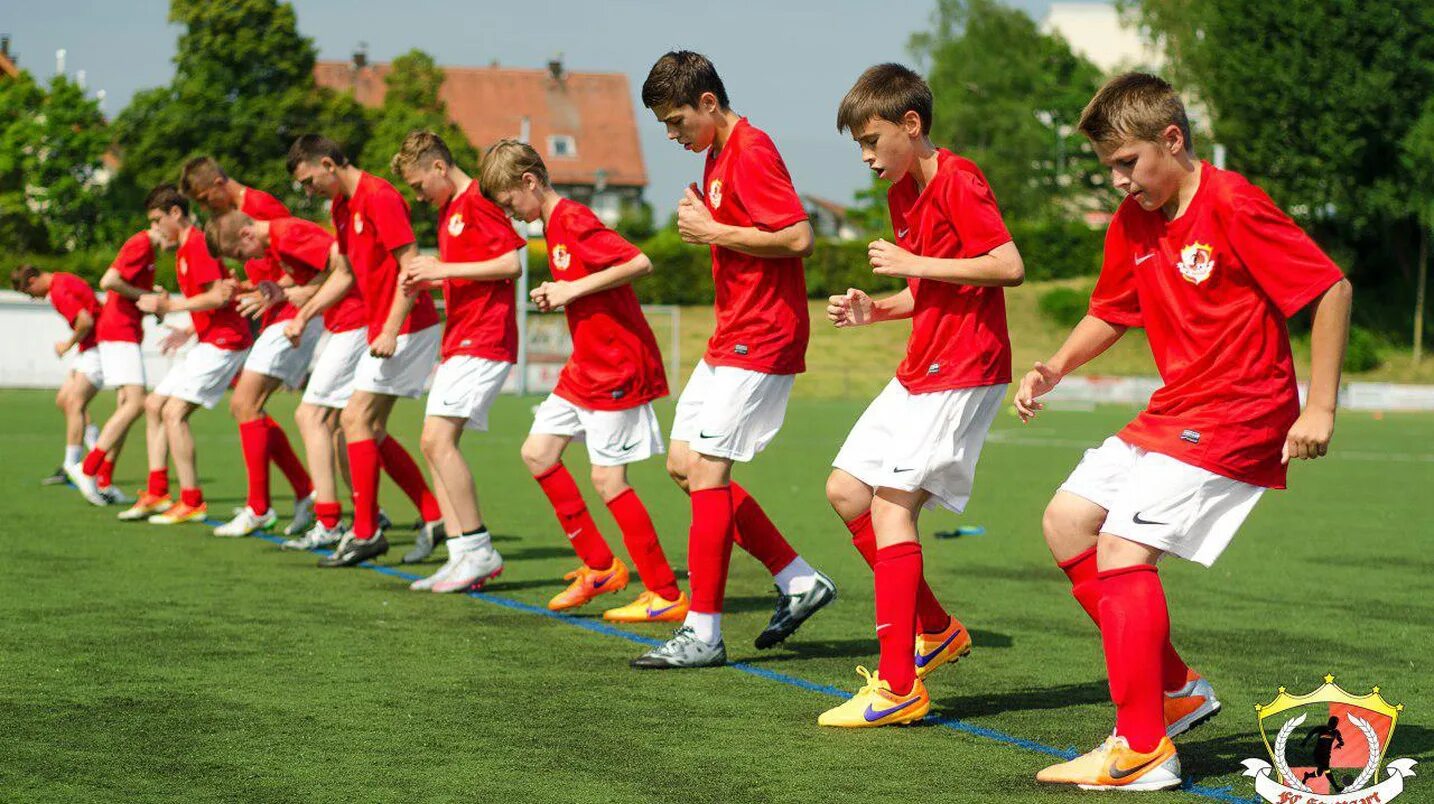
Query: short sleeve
[259,205]
[1115,299]
[389,213]
[134,256]
[64,299]
[304,245]
[1282,259]
[490,234]
[203,268]
[971,207]
[764,188]
[597,246]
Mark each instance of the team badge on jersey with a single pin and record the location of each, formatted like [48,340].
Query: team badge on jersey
[358,223]
[1197,260]
[714,193]
[561,257]
[455,225]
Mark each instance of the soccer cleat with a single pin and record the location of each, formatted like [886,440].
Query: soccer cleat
[146,506]
[876,705]
[1190,705]
[181,513]
[426,584]
[56,478]
[949,645]
[588,583]
[304,518]
[474,568]
[430,535]
[115,496]
[353,551]
[1114,766]
[650,608]
[318,537]
[684,650]
[246,522]
[793,610]
[86,485]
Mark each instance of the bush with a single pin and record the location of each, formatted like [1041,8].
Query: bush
[1362,353]
[1058,249]
[1064,306]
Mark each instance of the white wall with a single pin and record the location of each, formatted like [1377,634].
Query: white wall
[29,329]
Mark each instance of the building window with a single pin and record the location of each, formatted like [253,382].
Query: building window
[562,145]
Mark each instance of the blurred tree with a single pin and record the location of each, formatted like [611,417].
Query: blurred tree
[1418,159]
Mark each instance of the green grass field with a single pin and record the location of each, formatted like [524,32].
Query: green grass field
[140,663]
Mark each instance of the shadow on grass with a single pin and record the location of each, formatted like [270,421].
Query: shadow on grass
[1023,700]
[796,649]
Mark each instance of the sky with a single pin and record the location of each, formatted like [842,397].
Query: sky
[786,63]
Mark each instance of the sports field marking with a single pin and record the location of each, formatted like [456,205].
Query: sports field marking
[1015,439]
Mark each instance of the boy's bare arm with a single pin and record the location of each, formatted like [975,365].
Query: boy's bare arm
[1090,338]
[1329,332]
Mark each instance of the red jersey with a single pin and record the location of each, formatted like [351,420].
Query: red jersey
[301,249]
[70,294]
[615,363]
[194,268]
[261,206]
[1212,289]
[762,322]
[374,223]
[120,318]
[482,315]
[958,332]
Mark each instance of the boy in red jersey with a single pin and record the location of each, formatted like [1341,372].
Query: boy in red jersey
[1211,268]
[403,332]
[604,395]
[748,213]
[206,370]
[272,361]
[476,265]
[73,299]
[918,443]
[306,253]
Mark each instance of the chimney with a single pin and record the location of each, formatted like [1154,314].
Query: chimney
[361,56]
[5,45]
[555,67]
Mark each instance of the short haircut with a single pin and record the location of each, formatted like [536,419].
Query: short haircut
[313,147]
[888,92]
[222,232]
[1134,106]
[21,277]
[198,174]
[419,148]
[504,166]
[165,197]
[680,78]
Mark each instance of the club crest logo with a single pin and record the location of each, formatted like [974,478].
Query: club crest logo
[358,223]
[455,224]
[1327,748]
[1197,260]
[714,193]
[561,257]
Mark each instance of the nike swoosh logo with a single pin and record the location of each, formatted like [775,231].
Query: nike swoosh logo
[574,534]
[902,233]
[1140,521]
[922,659]
[899,471]
[1142,258]
[653,613]
[453,403]
[598,584]
[701,434]
[883,625]
[873,715]
[626,447]
[1116,773]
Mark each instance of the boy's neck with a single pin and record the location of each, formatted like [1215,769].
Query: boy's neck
[550,203]
[726,121]
[235,191]
[261,231]
[461,181]
[1185,191]
[924,163]
[349,176]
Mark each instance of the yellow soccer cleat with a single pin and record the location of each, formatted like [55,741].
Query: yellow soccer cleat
[876,705]
[650,608]
[146,506]
[1114,766]
[588,583]
[934,650]
[181,513]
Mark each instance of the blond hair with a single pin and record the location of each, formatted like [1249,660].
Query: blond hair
[1134,106]
[198,174]
[419,148]
[504,166]
[222,232]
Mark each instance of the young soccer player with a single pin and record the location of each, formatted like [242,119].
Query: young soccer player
[917,444]
[476,265]
[207,369]
[307,254]
[604,394]
[273,360]
[73,299]
[403,334]
[748,213]
[1211,268]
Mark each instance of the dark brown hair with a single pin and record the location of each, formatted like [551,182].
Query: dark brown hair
[312,148]
[680,78]
[888,92]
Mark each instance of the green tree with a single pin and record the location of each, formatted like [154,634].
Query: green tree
[1418,159]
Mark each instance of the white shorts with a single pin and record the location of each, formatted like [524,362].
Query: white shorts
[728,412]
[613,437]
[331,383]
[88,363]
[273,356]
[925,441]
[122,363]
[464,388]
[203,376]
[405,373]
[1155,500]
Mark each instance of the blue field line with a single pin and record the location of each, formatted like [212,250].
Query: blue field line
[1223,794]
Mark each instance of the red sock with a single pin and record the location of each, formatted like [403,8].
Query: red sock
[756,534]
[574,518]
[364,463]
[400,466]
[328,513]
[709,548]
[93,461]
[897,575]
[281,452]
[254,438]
[191,497]
[1085,588]
[640,538]
[159,482]
[1134,624]
[106,476]
[931,616]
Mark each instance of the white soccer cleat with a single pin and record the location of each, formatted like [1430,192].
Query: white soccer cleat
[86,485]
[472,567]
[318,538]
[246,522]
[115,496]
[426,584]
[303,517]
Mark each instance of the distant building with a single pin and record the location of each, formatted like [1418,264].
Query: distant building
[8,67]
[828,218]
[582,123]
